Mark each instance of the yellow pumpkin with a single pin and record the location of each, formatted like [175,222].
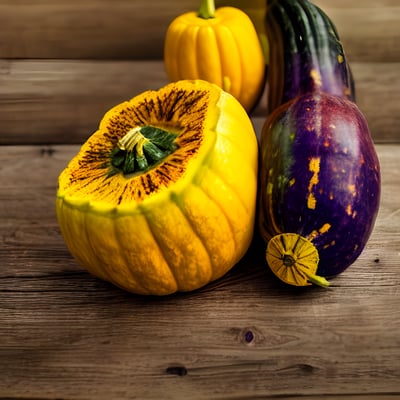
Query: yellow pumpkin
[161,198]
[220,46]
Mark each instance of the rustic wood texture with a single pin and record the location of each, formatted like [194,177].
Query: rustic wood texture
[67,335]
[63,64]
[369,30]
[62,101]
[87,28]
[132,29]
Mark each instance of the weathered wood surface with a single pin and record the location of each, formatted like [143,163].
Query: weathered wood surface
[62,101]
[87,28]
[133,29]
[369,30]
[63,63]
[67,335]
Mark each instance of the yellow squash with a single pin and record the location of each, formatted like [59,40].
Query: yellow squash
[161,198]
[220,46]
[256,10]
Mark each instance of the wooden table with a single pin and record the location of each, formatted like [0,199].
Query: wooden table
[65,334]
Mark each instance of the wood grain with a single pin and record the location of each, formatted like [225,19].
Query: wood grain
[55,101]
[65,334]
[367,33]
[62,101]
[129,29]
[84,29]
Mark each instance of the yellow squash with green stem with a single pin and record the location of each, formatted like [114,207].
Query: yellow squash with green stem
[161,198]
[220,46]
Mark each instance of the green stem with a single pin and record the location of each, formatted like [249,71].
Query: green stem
[207,9]
[140,149]
[318,280]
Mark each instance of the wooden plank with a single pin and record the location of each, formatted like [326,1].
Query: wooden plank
[28,178]
[368,34]
[65,334]
[345,4]
[86,29]
[62,101]
[372,81]
[133,29]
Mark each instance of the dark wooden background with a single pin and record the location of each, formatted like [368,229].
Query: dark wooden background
[66,335]
[64,63]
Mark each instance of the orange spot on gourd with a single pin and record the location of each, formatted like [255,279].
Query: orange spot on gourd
[314,167]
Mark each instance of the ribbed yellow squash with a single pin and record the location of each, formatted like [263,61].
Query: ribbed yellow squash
[256,10]
[161,198]
[220,46]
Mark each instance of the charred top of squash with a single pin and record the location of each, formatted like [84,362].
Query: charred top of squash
[144,145]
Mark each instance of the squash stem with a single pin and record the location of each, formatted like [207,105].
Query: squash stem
[140,149]
[128,142]
[207,9]
[318,280]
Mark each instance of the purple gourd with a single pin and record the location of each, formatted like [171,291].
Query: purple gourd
[319,176]
[306,51]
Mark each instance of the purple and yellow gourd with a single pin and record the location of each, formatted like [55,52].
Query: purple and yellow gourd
[319,175]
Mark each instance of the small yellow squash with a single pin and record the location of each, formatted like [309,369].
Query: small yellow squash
[220,46]
[161,198]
